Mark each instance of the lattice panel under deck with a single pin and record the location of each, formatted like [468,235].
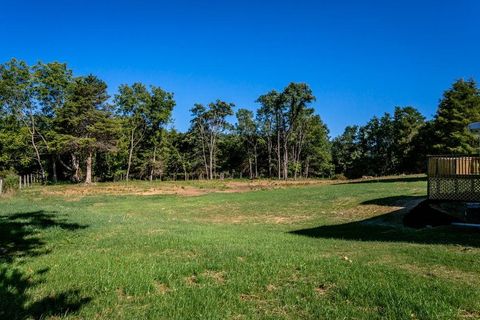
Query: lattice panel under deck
[459,188]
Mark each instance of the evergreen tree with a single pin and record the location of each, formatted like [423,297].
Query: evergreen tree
[407,124]
[459,106]
[346,151]
[85,124]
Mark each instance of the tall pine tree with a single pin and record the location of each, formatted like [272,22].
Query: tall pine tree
[459,106]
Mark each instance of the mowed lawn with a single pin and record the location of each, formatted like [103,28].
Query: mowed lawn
[316,251]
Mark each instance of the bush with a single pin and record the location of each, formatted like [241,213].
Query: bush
[339,176]
[10,181]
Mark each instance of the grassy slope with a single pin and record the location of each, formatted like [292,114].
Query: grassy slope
[297,252]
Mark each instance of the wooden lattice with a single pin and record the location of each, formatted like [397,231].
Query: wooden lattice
[454,178]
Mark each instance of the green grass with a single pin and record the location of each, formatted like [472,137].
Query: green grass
[333,251]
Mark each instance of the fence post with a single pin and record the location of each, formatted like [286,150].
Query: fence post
[19,182]
[1,186]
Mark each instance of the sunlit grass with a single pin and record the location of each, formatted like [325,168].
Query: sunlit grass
[283,252]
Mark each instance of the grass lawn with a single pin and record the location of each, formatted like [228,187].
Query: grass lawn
[233,250]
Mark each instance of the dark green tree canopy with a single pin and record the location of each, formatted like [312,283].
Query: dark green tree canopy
[68,127]
[459,106]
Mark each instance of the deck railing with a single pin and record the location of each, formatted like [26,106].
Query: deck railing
[454,178]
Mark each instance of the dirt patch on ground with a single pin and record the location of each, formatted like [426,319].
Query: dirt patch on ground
[245,186]
[182,191]
[161,288]
[253,219]
[322,289]
[122,295]
[439,271]
[465,314]
[249,297]
[76,192]
[359,212]
[216,276]
[271,288]
[365,211]
[192,280]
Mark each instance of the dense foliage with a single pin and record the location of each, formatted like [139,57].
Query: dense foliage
[400,143]
[68,128]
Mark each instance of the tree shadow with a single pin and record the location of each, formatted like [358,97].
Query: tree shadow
[390,227]
[15,302]
[19,233]
[20,238]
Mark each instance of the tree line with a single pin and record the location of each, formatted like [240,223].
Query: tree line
[67,127]
[400,143]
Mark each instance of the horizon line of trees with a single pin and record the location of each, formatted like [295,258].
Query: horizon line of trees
[68,128]
[400,143]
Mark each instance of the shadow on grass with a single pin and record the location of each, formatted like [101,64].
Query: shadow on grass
[20,237]
[389,228]
[394,179]
[394,201]
[19,233]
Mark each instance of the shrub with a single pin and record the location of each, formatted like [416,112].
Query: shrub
[339,176]
[10,181]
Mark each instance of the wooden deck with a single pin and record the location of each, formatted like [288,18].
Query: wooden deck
[455,178]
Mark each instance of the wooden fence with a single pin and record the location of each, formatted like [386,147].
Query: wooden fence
[454,178]
[24,181]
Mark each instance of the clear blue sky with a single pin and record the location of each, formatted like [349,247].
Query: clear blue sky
[361,58]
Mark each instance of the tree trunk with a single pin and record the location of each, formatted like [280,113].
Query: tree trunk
[306,167]
[279,158]
[214,168]
[153,162]
[285,159]
[298,152]
[269,151]
[211,152]
[76,168]
[204,154]
[250,167]
[35,147]
[211,166]
[88,177]
[130,154]
[294,157]
[54,169]
[255,154]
